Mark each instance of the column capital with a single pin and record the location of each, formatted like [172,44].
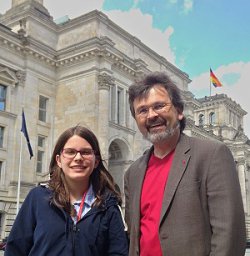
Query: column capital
[21,76]
[105,81]
[240,161]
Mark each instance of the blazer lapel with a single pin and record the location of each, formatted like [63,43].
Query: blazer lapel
[138,181]
[179,165]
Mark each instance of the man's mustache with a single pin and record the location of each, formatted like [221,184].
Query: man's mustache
[157,121]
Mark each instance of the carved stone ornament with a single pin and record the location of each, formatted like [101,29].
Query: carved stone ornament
[21,76]
[105,81]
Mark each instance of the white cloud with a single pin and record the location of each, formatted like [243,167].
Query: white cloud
[4,6]
[187,6]
[237,91]
[134,22]
[141,26]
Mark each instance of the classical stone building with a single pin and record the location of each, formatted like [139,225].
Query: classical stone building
[78,72]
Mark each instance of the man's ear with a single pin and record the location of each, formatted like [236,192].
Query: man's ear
[58,161]
[180,114]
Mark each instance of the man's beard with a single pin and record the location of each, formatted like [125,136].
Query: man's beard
[157,137]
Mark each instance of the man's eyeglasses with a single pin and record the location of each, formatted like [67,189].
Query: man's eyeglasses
[157,108]
[70,153]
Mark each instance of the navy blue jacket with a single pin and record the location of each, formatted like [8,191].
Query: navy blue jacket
[42,229]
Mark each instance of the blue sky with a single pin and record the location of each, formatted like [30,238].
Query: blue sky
[194,35]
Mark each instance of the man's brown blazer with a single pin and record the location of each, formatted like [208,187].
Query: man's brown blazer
[202,212]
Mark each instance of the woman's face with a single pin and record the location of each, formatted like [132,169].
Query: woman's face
[77,159]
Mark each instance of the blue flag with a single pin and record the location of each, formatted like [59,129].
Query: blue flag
[26,135]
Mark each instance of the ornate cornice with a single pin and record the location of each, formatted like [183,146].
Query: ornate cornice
[25,48]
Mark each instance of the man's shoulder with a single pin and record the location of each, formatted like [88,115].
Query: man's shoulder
[201,146]
[201,141]
[138,163]
[144,157]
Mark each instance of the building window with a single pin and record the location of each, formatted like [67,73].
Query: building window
[212,118]
[1,170]
[43,102]
[1,166]
[114,151]
[3,90]
[40,154]
[112,103]
[230,117]
[117,105]
[127,112]
[235,121]
[1,136]
[201,120]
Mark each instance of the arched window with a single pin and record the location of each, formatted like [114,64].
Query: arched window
[115,152]
[201,120]
[212,118]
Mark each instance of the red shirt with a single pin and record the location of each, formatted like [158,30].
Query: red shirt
[151,201]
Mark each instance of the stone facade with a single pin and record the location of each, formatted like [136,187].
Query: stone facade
[78,72]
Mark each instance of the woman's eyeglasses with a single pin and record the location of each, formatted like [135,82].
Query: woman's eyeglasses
[70,153]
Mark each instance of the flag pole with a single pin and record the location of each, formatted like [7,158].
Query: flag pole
[19,177]
[210,87]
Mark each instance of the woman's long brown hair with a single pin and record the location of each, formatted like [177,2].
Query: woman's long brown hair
[101,179]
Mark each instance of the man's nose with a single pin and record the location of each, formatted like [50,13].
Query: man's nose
[151,113]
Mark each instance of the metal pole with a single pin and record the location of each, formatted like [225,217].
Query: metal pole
[210,87]
[19,177]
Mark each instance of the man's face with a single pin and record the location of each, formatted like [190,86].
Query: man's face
[156,117]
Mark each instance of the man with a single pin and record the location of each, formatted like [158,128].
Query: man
[182,196]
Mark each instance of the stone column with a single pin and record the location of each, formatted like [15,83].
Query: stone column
[104,83]
[242,180]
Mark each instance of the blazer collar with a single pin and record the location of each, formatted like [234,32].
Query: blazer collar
[179,165]
[178,168]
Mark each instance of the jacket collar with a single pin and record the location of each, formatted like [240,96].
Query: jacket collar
[178,168]
[179,165]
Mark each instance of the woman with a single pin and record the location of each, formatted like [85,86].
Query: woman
[77,212]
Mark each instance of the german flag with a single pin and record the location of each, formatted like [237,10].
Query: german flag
[215,81]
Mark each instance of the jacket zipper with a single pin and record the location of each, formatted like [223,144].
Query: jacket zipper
[74,229]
